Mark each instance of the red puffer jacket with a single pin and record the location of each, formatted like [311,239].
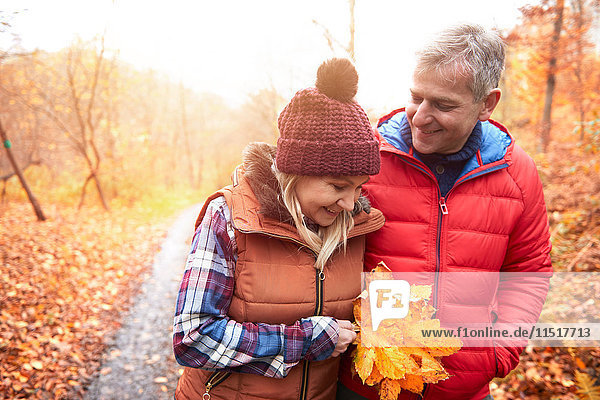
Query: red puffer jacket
[492,220]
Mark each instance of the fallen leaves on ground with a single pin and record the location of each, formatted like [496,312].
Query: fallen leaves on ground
[396,357]
[64,285]
[549,372]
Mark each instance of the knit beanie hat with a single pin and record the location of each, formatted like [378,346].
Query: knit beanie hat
[323,130]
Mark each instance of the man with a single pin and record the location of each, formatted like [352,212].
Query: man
[460,196]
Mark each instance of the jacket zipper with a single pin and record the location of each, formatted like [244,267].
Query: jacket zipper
[438,238]
[304,384]
[318,310]
[213,380]
[443,210]
[319,298]
[441,213]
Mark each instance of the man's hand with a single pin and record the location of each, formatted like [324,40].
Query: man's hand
[347,336]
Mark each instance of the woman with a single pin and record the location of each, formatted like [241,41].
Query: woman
[264,306]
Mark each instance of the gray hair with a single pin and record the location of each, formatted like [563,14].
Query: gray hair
[470,51]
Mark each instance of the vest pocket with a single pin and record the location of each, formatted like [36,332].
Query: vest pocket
[213,380]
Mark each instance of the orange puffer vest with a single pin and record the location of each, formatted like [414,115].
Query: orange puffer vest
[276,283]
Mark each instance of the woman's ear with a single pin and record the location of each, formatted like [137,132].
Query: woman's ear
[489,104]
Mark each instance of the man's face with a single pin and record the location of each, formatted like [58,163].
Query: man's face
[441,113]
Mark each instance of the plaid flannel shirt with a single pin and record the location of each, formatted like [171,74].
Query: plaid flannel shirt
[205,337]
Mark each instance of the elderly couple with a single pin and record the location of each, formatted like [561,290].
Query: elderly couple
[264,308]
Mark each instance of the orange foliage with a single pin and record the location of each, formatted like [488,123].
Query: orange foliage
[63,285]
[577,72]
[396,357]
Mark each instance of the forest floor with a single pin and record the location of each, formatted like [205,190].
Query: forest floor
[78,294]
[78,297]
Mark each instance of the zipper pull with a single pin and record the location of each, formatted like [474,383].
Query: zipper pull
[443,206]
[206,395]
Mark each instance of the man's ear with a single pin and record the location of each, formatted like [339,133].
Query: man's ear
[489,104]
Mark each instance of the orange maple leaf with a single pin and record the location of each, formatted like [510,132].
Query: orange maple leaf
[411,382]
[396,356]
[374,378]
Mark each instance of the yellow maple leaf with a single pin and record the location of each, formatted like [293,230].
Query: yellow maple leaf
[430,369]
[374,378]
[390,389]
[363,361]
[386,365]
[401,359]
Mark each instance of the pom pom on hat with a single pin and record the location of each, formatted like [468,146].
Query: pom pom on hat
[324,131]
[337,78]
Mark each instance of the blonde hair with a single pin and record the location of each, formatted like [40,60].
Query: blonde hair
[327,239]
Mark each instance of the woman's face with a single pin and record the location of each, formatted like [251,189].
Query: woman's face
[322,198]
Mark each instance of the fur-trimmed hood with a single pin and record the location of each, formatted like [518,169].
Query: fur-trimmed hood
[258,159]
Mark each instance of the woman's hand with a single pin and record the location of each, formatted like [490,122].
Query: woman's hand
[345,338]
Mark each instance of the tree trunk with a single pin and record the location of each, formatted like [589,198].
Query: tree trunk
[579,11]
[83,191]
[100,192]
[93,175]
[546,125]
[34,203]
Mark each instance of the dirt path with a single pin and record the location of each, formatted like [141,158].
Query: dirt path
[139,362]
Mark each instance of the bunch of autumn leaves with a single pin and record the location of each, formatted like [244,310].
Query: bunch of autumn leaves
[396,356]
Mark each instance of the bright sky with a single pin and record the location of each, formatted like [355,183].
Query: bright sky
[236,47]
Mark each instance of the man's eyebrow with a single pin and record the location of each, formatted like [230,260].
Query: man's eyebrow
[439,99]
[443,99]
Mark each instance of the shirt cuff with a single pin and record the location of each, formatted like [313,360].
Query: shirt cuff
[324,338]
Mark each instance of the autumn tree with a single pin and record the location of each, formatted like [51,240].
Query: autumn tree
[332,41]
[32,199]
[90,118]
[583,74]
[83,86]
[553,51]
[4,55]
[69,90]
[551,66]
